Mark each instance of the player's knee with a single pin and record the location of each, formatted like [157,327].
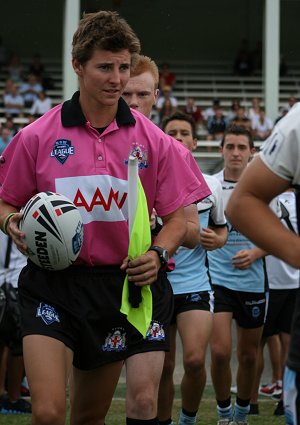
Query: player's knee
[48,415]
[143,405]
[220,356]
[247,358]
[194,364]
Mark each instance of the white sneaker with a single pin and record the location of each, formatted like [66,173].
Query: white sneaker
[223,421]
[233,389]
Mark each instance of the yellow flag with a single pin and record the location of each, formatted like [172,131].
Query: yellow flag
[139,243]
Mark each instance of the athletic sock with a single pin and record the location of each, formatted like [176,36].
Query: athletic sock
[241,409]
[187,418]
[224,409]
[130,421]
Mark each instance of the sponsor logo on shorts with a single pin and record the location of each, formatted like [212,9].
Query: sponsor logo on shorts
[193,298]
[62,150]
[47,313]
[255,312]
[115,340]
[155,332]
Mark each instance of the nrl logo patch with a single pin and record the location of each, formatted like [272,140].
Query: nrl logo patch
[47,313]
[62,149]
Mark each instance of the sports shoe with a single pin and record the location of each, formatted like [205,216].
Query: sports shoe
[24,391]
[19,407]
[279,411]
[271,389]
[3,397]
[233,389]
[224,421]
[254,410]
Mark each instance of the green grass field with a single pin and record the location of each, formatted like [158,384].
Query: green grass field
[206,415]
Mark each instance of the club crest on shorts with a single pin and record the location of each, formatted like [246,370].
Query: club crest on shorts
[62,150]
[47,313]
[255,312]
[156,332]
[139,152]
[115,341]
[194,298]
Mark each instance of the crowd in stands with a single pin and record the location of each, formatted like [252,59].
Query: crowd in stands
[24,93]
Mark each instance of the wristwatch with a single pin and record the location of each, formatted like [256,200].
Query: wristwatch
[162,254]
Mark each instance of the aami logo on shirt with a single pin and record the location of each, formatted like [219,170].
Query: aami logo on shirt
[99,198]
[61,150]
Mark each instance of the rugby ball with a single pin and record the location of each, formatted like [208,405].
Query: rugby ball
[53,230]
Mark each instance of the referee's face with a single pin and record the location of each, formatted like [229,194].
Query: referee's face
[103,78]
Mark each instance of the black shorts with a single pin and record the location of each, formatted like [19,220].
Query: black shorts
[80,306]
[281,306]
[247,308]
[203,300]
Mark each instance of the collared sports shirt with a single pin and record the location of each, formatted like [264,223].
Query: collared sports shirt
[191,273]
[62,152]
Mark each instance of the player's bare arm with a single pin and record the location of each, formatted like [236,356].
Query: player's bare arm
[213,238]
[265,230]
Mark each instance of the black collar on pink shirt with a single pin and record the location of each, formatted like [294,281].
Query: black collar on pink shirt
[72,115]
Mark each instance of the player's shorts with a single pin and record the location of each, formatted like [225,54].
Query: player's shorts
[291,396]
[280,311]
[247,308]
[80,306]
[202,300]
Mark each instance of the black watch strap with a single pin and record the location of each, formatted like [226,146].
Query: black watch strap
[162,254]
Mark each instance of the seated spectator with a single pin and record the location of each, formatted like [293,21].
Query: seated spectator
[5,138]
[15,69]
[13,128]
[166,100]
[166,110]
[30,90]
[241,120]
[210,112]
[194,110]
[216,125]
[253,111]
[166,77]
[13,103]
[37,68]
[7,86]
[291,102]
[235,105]
[41,105]
[262,126]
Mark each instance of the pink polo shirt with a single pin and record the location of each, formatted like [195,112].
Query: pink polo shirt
[61,152]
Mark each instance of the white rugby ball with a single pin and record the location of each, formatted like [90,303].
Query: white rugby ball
[53,230]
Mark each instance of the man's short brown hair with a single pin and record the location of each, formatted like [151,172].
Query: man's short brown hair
[103,30]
